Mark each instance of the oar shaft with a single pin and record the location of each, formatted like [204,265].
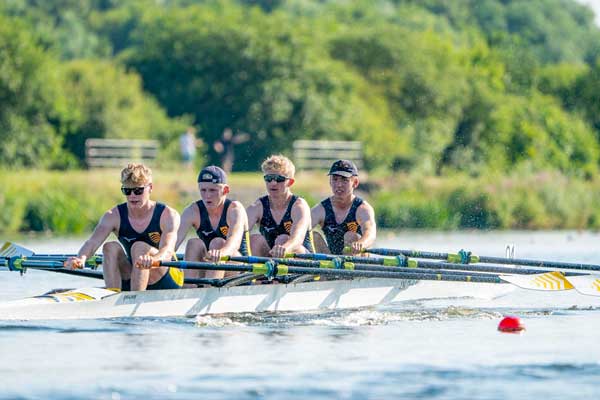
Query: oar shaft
[347,265]
[402,261]
[456,258]
[260,269]
[79,272]
[19,264]
[485,268]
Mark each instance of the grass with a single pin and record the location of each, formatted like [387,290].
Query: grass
[71,202]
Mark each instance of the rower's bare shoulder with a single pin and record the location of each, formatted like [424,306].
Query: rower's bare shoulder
[256,204]
[255,208]
[236,205]
[170,213]
[111,216]
[365,212]
[318,208]
[365,205]
[191,210]
[301,203]
[236,208]
[317,214]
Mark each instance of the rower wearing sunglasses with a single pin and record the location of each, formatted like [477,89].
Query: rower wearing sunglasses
[220,223]
[346,220]
[283,218]
[146,232]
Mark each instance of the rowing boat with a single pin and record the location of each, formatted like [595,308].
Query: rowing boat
[348,282]
[97,303]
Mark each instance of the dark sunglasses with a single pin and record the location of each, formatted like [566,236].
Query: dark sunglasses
[136,190]
[274,177]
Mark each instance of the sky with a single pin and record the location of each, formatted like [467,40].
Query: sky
[595,5]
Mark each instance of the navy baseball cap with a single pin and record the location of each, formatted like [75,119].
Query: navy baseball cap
[212,174]
[344,168]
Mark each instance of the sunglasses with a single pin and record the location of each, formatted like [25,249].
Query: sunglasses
[274,177]
[136,190]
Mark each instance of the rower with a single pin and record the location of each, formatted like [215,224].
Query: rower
[346,220]
[146,232]
[220,223]
[283,218]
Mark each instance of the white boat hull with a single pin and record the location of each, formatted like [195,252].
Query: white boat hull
[94,303]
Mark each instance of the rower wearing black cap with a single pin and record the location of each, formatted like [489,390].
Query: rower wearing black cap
[220,223]
[346,220]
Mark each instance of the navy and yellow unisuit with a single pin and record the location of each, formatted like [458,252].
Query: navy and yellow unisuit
[127,236]
[334,232]
[270,229]
[206,233]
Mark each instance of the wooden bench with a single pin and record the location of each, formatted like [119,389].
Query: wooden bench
[320,154]
[111,153]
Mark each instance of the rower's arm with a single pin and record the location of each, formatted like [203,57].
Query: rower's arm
[317,215]
[187,221]
[108,223]
[254,213]
[238,223]
[169,224]
[365,216]
[301,217]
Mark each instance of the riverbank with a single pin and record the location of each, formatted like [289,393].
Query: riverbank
[71,202]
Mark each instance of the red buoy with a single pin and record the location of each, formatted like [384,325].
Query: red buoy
[510,324]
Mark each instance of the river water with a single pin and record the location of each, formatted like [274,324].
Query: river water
[443,349]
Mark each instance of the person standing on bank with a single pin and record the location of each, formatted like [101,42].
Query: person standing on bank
[146,232]
[220,223]
[188,144]
[283,218]
[346,220]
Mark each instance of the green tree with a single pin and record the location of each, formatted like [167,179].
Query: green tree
[29,100]
[587,99]
[107,102]
[261,74]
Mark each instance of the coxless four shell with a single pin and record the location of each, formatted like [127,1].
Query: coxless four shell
[93,303]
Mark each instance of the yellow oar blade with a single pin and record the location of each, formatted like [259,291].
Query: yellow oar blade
[549,281]
[586,284]
[10,249]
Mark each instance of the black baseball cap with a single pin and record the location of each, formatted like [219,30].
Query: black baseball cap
[212,174]
[344,168]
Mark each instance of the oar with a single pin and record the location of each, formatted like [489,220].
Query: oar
[9,249]
[272,269]
[334,263]
[21,265]
[325,260]
[465,257]
[552,281]
[532,279]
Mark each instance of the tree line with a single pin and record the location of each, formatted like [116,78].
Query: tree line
[437,87]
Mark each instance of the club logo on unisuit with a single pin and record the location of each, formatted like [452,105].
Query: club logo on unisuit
[154,236]
[224,230]
[288,226]
[352,226]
